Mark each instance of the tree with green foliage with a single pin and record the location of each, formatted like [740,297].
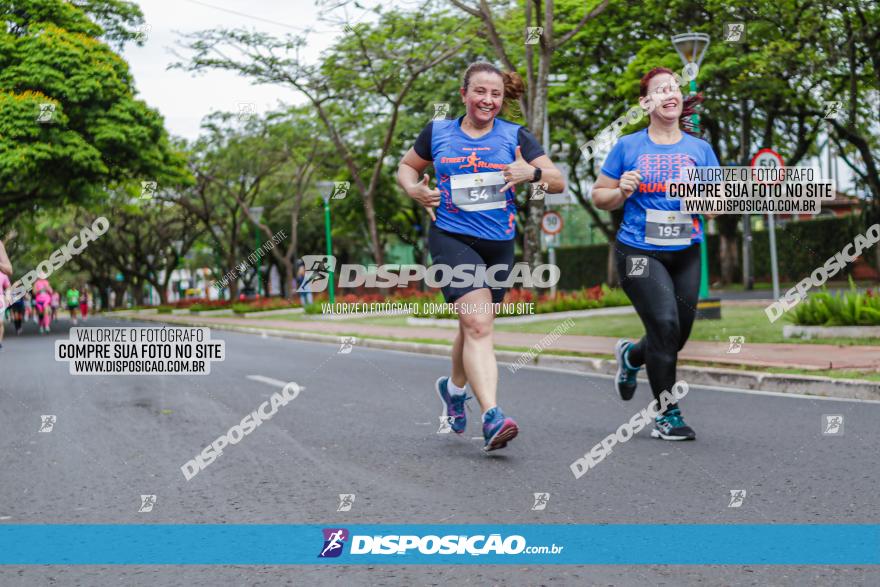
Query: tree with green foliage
[358,89]
[70,122]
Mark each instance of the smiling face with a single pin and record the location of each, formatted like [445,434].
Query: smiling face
[664,99]
[484,97]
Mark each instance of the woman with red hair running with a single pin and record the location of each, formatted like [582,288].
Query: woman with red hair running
[657,246]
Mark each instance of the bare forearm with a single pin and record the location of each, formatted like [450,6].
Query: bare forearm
[552,177]
[608,198]
[5,264]
[407,178]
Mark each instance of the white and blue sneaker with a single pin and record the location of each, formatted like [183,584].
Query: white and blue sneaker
[625,380]
[453,405]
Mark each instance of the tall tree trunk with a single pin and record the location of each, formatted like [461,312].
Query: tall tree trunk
[287,288]
[729,254]
[103,295]
[119,290]
[611,268]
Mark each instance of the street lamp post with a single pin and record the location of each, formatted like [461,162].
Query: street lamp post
[691,47]
[256,212]
[217,230]
[327,188]
[552,80]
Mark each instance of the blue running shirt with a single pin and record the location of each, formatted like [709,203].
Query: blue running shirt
[469,175]
[650,221]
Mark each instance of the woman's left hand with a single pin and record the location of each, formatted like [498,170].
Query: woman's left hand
[517,172]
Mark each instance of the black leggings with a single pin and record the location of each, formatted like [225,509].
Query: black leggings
[665,298]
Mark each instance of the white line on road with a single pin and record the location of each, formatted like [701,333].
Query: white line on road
[580,374]
[611,377]
[724,389]
[267,380]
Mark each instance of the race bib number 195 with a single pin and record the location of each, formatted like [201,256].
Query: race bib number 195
[668,228]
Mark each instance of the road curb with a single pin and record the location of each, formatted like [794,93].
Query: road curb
[751,380]
[529,318]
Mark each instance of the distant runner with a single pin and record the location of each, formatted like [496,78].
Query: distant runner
[72,303]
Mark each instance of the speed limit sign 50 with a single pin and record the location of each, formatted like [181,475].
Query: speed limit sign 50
[763,159]
[551,223]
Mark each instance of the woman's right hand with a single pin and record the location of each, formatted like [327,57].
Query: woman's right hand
[424,195]
[629,182]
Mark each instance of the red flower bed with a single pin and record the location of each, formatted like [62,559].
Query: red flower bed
[275,303]
[191,301]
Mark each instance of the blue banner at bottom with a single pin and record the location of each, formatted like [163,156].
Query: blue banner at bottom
[621,544]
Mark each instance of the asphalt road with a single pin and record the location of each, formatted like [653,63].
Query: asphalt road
[366,423]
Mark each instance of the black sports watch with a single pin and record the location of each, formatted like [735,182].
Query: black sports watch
[537,177]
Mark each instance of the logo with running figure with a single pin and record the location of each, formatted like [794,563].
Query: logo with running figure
[47,423]
[346,500]
[832,424]
[734,32]
[541,500]
[737,497]
[736,345]
[441,109]
[533,34]
[318,270]
[346,343]
[148,189]
[636,266]
[334,540]
[832,109]
[472,161]
[539,190]
[445,424]
[340,190]
[47,111]
[147,503]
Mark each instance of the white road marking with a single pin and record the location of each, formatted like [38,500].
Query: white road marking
[604,376]
[267,380]
[714,388]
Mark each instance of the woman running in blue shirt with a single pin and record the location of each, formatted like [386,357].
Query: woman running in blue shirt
[478,159]
[662,277]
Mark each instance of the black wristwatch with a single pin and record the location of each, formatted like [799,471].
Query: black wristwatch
[537,177]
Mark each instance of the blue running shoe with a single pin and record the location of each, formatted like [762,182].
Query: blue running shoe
[625,381]
[498,430]
[671,426]
[453,405]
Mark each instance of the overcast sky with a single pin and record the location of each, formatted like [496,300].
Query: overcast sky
[184,99]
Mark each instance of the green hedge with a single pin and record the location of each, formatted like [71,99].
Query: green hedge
[801,246]
[582,266]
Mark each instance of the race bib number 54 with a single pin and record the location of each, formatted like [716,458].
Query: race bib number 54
[478,191]
[668,228]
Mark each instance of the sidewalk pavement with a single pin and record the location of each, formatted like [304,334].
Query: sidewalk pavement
[783,355]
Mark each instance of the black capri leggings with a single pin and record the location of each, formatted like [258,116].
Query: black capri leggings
[449,248]
[665,296]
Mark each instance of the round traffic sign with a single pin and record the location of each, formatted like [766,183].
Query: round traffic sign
[551,223]
[767,158]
